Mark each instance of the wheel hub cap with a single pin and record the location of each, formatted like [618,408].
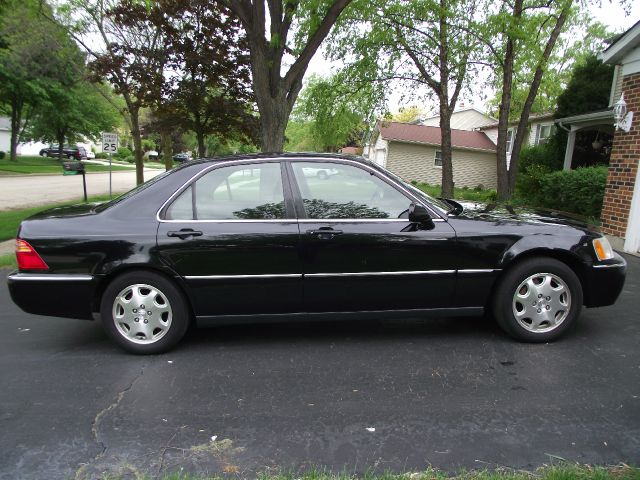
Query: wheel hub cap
[541,302]
[142,313]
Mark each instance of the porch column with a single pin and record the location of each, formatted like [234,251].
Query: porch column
[571,143]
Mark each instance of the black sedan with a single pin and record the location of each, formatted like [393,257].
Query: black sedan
[263,237]
[77,153]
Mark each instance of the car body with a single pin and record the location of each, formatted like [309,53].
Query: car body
[181,157]
[261,237]
[90,155]
[72,153]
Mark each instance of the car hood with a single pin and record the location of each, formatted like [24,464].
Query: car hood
[499,212]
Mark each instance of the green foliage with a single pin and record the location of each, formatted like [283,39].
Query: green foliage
[542,155]
[101,155]
[476,194]
[2,154]
[330,114]
[577,191]
[124,152]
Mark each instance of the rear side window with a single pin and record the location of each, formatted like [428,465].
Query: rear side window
[238,192]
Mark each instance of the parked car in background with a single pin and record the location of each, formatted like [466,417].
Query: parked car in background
[151,155]
[72,153]
[182,157]
[90,155]
[259,237]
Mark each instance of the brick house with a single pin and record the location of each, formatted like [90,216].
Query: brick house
[621,207]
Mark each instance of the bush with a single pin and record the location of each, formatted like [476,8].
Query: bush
[542,155]
[2,154]
[577,191]
[102,155]
[129,159]
[123,153]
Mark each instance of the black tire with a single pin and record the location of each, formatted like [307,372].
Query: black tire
[541,326]
[179,314]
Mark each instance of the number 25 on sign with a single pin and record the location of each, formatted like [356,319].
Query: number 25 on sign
[110,142]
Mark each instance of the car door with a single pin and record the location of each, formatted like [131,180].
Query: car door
[232,236]
[359,250]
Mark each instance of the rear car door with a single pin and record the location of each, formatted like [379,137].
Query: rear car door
[232,236]
[359,250]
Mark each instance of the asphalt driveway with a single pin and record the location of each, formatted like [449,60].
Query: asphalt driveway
[355,397]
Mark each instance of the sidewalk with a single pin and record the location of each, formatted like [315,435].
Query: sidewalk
[7,247]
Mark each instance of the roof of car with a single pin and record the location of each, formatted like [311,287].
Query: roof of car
[267,156]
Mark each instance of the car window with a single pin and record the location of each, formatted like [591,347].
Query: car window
[238,192]
[334,190]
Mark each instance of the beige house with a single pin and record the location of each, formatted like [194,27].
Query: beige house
[413,152]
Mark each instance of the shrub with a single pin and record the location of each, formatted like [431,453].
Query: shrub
[542,155]
[2,154]
[130,159]
[102,155]
[577,191]
[124,152]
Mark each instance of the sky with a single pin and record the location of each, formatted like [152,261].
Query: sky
[609,13]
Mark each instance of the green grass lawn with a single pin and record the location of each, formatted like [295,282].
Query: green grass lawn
[45,165]
[10,219]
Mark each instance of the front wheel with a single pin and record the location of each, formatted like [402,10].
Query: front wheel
[538,300]
[144,313]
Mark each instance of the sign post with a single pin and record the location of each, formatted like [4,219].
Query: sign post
[110,146]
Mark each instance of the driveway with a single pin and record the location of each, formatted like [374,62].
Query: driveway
[351,396]
[20,191]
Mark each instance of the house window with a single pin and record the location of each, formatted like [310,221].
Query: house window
[437,159]
[510,134]
[544,133]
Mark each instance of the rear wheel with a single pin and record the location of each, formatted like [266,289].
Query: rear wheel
[143,312]
[538,300]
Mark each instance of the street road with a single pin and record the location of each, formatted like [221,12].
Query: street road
[351,396]
[33,190]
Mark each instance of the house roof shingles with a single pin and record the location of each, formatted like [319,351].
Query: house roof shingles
[405,132]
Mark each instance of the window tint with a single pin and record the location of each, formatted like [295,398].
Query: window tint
[333,190]
[239,192]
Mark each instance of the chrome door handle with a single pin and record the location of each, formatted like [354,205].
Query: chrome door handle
[324,233]
[185,233]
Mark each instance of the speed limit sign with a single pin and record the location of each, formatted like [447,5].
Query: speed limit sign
[110,142]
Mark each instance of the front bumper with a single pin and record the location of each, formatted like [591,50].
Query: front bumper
[54,295]
[604,282]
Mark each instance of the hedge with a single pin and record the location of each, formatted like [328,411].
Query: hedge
[578,191]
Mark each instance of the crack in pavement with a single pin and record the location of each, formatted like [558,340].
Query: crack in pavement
[97,420]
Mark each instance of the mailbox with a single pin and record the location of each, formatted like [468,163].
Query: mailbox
[72,168]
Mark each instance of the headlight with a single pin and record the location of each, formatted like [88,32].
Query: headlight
[602,248]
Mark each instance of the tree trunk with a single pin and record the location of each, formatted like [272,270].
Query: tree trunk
[447,152]
[274,116]
[16,118]
[167,146]
[202,149]
[137,144]
[504,189]
[60,138]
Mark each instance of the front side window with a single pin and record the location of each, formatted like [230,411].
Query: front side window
[334,191]
[237,192]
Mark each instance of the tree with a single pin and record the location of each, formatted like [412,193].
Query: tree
[126,50]
[311,21]
[408,114]
[519,34]
[419,42]
[71,113]
[34,53]
[209,90]
[334,113]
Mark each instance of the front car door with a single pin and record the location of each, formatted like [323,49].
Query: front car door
[359,250]
[231,234]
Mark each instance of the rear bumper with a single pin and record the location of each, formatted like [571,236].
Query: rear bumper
[604,282]
[55,295]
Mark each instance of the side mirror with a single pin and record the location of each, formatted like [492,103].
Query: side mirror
[420,215]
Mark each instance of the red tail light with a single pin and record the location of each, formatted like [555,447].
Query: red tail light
[28,258]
